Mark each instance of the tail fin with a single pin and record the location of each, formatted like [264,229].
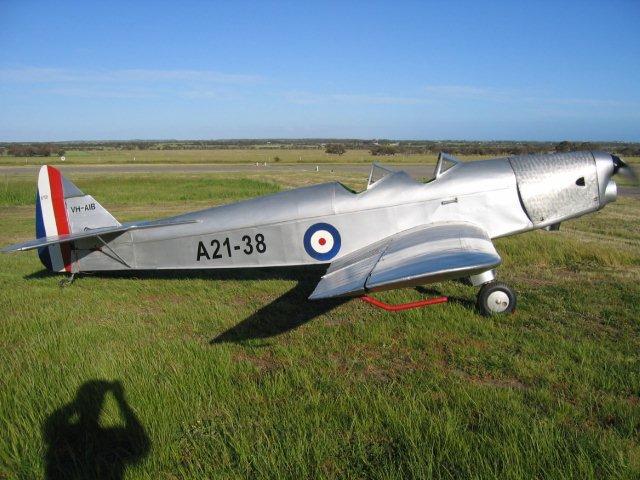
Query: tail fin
[61,209]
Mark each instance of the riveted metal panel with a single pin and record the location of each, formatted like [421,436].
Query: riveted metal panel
[556,186]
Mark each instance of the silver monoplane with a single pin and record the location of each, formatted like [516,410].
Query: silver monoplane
[397,233]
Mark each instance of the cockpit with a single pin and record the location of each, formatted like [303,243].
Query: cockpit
[378,172]
[445,163]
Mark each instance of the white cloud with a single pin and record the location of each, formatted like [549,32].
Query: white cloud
[60,75]
[515,97]
[205,94]
[96,92]
[129,83]
[310,98]
[587,102]
[456,90]
[468,92]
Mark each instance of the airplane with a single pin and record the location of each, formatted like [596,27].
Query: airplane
[397,233]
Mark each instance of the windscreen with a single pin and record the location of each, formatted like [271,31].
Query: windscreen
[378,172]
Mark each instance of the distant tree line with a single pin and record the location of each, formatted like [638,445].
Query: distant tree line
[571,146]
[331,146]
[33,150]
[497,148]
[628,150]
[387,150]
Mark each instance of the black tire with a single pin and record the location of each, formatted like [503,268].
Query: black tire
[492,298]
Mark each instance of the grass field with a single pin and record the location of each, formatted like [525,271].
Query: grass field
[231,156]
[236,375]
[249,155]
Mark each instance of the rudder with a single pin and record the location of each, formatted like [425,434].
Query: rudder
[61,209]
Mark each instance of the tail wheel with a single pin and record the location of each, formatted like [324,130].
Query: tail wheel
[495,298]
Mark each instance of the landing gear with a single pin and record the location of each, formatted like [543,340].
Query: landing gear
[65,282]
[495,298]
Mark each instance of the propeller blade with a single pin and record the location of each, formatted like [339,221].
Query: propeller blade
[624,169]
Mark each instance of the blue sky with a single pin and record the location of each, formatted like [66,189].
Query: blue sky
[425,70]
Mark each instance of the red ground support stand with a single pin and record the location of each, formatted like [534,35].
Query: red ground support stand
[403,306]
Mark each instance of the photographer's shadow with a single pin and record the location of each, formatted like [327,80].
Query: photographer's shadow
[78,447]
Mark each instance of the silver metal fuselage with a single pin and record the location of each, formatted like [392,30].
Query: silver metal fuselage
[502,196]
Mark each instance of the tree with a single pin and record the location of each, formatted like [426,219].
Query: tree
[18,150]
[589,146]
[335,148]
[37,150]
[384,150]
[565,146]
[45,150]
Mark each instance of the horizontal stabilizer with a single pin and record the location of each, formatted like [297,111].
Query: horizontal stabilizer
[91,233]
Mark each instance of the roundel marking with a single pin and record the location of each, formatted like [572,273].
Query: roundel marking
[322,241]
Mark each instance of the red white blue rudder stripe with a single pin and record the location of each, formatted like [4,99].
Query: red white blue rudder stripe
[61,209]
[52,220]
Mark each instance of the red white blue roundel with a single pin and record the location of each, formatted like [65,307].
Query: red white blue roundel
[322,241]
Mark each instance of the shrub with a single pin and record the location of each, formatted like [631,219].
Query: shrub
[384,150]
[335,148]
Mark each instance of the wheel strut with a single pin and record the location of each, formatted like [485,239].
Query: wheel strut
[65,282]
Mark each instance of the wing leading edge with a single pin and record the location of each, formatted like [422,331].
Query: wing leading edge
[417,256]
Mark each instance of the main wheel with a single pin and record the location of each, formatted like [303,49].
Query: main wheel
[495,298]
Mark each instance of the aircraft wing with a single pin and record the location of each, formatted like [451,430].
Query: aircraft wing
[93,232]
[425,254]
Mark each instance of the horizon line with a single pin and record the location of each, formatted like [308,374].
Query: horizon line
[313,139]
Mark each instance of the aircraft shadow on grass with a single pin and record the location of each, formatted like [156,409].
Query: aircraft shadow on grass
[287,312]
[78,447]
[312,273]
[293,309]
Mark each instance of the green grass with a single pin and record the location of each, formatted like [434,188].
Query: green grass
[237,156]
[128,190]
[238,376]
[231,156]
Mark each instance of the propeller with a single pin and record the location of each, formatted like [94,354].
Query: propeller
[624,169]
